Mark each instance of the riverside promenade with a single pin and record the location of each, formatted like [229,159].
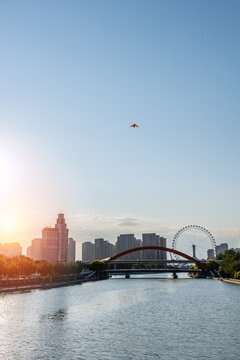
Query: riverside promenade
[43,286]
[24,285]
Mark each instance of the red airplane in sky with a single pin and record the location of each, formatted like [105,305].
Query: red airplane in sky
[134,125]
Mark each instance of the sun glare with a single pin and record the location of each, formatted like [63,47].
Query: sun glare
[8,171]
[8,224]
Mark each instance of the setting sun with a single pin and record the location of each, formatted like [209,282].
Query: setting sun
[8,224]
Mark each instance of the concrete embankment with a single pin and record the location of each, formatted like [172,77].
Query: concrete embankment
[232,281]
[43,286]
[28,284]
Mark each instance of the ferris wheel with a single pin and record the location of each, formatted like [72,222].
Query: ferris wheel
[185,238]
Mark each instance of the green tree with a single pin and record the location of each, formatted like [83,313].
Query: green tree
[27,266]
[97,265]
[2,265]
[45,268]
[230,263]
[212,265]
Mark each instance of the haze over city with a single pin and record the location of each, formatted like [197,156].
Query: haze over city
[73,80]
[119,179]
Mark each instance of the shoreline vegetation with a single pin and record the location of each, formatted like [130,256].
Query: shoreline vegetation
[230,265]
[22,267]
[20,273]
[228,270]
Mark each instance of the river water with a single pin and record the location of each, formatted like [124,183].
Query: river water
[123,319]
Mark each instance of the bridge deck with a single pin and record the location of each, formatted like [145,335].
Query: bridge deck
[150,271]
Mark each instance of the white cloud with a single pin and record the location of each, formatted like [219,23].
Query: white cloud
[87,227]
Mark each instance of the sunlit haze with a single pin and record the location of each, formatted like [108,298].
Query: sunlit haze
[74,77]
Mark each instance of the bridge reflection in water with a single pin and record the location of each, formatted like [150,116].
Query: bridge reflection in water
[128,272]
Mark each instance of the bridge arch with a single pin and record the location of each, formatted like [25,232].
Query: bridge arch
[173,251]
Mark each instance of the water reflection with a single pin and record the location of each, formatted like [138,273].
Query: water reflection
[58,315]
[123,319]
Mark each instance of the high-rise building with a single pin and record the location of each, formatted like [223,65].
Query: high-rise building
[210,254]
[152,239]
[71,250]
[103,249]
[35,251]
[62,238]
[99,249]
[106,249]
[126,242]
[138,253]
[112,250]
[50,244]
[54,244]
[220,249]
[162,241]
[88,251]
[29,252]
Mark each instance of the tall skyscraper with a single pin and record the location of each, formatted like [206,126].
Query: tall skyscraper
[220,249]
[126,242]
[71,250]
[162,241]
[50,244]
[152,239]
[210,254]
[88,251]
[54,244]
[63,238]
[99,249]
[139,254]
[112,250]
[35,251]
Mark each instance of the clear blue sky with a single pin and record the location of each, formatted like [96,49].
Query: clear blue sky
[75,74]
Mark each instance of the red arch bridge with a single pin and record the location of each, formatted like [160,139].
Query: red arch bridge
[187,259]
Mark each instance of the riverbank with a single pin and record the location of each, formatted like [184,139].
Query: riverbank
[42,286]
[231,281]
[50,282]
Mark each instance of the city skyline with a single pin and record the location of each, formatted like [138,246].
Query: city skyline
[118,225]
[55,245]
[70,93]
[102,249]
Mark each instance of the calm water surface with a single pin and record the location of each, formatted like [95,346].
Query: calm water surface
[123,319]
